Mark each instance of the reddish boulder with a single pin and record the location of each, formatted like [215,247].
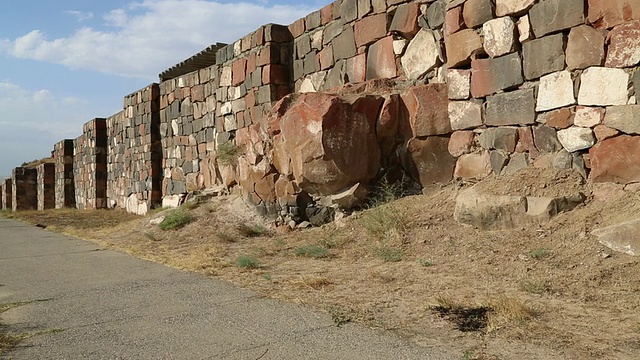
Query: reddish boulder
[381,60]
[387,124]
[425,111]
[615,160]
[606,14]
[624,45]
[323,138]
[428,160]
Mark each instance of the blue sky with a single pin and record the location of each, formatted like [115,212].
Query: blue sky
[65,62]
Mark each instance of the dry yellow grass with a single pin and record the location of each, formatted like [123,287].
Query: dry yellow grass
[479,273]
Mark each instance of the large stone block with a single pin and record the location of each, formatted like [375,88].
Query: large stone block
[460,46]
[513,7]
[543,56]
[499,36]
[606,14]
[473,166]
[381,60]
[422,55]
[549,16]
[428,160]
[555,91]
[489,76]
[621,237]
[344,45]
[323,138]
[511,108]
[459,83]
[405,20]
[426,111]
[477,12]
[465,114]
[624,45]
[500,138]
[585,48]
[601,86]
[624,118]
[576,138]
[370,29]
[616,160]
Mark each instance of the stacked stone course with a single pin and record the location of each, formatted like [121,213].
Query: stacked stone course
[90,165]
[202,110]
[6,194]
[64,185]
[539,83]
[435,89]
[24,190]
[134,154]
[46,186]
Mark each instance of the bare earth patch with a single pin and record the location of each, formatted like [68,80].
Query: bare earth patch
[548,290]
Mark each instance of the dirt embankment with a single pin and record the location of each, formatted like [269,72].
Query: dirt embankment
[547,290]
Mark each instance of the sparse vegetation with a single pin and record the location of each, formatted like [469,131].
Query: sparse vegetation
[176,219]
[339,316]
[389,254]
[247,262]
[472,268]
[538,254]
[505,310]
[535,287]
[313,251]
[228,153]
[425,262]
[252,230]
[9,341]
[226,237]
[386,191]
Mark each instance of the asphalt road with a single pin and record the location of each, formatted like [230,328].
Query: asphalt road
[101,304]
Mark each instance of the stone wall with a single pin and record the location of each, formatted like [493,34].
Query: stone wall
[5,196]
[90,165]
[24,190]
[46,181]
[64,185]
[545,83]
[134,155]
[433,90]
[202,110]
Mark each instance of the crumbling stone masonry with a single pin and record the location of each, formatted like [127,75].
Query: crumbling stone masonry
[134,153]
[64,185]
[90,165]
[5,197]
[46,186]
[24,189]
[201,111]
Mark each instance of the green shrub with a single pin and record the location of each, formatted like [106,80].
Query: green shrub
[228,153]
[176,219]
[247,262]
[253,230]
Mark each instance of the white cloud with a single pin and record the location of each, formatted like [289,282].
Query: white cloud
[80,15]
[24,110]
[32,121]
[147,37]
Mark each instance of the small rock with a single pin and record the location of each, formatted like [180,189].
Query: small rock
[157,220]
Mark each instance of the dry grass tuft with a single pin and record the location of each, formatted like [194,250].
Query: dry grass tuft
[506,310]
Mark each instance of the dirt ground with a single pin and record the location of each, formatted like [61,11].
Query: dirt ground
[547,290]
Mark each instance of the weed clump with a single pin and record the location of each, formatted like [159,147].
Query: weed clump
[313,251]
[247,262]
[252,230]
[228,153]
[176,219]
